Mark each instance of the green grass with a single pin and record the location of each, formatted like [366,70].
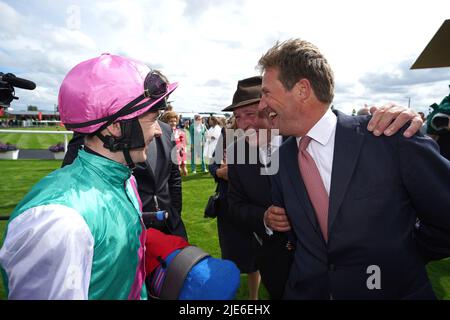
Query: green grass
[23,174]
[33,140]
[439,273]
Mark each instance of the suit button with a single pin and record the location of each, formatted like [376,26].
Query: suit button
[331,267]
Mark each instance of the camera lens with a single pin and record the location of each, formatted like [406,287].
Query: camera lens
[440,122]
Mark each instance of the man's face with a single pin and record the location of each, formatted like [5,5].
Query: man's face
[150,129]
[246,117]
[278,103]
[249,118]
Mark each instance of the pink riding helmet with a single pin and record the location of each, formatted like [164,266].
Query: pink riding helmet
[101,87]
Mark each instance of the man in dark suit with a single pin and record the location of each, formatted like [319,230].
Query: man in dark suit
[158,177]
[249,192]
[352,199]
[248,198]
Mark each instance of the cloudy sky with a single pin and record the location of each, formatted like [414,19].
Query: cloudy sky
[207,46]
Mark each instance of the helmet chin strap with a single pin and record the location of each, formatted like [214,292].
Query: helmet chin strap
[132,138]
[130,163]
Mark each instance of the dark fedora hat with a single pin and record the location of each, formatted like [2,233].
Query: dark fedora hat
[248,92]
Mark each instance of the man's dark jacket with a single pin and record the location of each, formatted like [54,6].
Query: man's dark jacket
[164,181]
[249,197]
[380,186]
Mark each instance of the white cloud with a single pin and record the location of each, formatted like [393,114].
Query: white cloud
[207,46]
[12,19]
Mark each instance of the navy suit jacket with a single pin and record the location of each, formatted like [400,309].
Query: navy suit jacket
[379,187]
[248,198]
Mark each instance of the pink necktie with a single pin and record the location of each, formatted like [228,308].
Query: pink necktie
[314,185]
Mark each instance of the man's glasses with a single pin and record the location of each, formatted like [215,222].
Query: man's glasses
[155,86]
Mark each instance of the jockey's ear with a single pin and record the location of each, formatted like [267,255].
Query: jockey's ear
[113,130]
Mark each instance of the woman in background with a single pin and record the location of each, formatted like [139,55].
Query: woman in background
[171,118]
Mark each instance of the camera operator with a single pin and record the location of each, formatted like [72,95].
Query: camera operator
[7,83]
[438,126]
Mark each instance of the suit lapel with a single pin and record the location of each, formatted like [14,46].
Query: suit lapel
[161,154]
[152,158]
[161,159]
[347,146]
[297,182]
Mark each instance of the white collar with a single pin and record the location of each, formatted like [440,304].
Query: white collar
[323,129]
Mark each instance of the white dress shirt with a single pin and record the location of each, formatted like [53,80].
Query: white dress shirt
[321,147]
[265,153]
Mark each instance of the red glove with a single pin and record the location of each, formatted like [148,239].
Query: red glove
[159,244]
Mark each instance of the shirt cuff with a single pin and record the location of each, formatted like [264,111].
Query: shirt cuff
[268,230]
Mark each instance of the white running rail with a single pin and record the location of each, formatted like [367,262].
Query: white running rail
[65,133]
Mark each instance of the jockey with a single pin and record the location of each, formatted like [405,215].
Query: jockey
[78,234]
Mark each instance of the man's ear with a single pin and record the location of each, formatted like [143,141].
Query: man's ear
[302,89]
[114,129]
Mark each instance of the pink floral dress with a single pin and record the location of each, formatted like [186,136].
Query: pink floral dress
[180,140]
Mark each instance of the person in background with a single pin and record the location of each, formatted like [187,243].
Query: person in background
[205,122]
[179,137]
[365,111]
[249,193]
[159,183]
[186,125]
[211,138]
[423,129]
[438,126]
[236,243]
[180,122]
[197,133]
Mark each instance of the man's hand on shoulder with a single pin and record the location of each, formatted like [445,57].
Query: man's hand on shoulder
[390,118]
[276,219]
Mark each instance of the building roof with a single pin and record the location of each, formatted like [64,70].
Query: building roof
[437,52]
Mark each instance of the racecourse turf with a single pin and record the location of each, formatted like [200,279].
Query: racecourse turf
[35,140]
[18,176]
